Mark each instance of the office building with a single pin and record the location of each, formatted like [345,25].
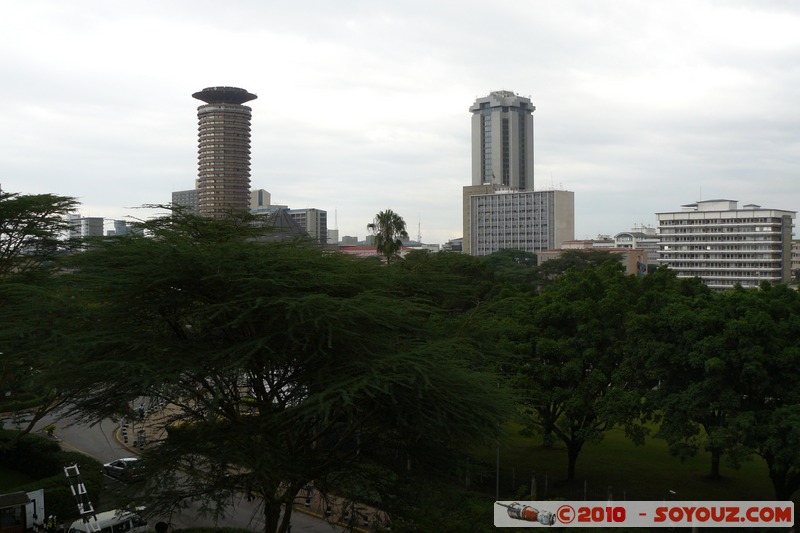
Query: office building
[260,199]
[640,238]
[313,221]
[496,218]
[795,256]
[500,209]
[502,141]
[188,200]
[223,182]
[80,227]
[333,236]
[723,245]
[121,227]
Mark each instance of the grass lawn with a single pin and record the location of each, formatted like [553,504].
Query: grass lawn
[11,478]
[633,472]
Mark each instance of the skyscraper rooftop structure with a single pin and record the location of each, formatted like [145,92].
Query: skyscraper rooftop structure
[223,182]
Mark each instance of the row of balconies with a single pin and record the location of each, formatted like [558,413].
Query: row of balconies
[217,159]
[727,274]
[732,244]
[223,109]
[720,237]
[225,162]
[223,132]
[719,221]
[731,268]
[243,147]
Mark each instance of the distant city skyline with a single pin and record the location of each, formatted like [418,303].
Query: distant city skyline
[640,106]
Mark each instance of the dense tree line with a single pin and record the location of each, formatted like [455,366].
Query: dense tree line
[290,365]
[594,348]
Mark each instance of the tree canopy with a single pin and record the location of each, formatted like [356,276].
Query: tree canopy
[284,365]
[32,228]
[33,232]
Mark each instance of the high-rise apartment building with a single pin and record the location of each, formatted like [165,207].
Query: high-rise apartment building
[502,141]
[723,245]
[223,183]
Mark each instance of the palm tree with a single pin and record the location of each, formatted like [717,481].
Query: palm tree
[389,228]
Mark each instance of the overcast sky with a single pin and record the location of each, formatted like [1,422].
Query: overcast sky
[363,106]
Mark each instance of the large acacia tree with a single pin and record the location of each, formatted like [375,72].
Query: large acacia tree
[284,365]
[32,230]
[32,233]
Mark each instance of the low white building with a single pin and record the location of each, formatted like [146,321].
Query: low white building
[723,245]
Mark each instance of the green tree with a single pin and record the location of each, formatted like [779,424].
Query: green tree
[761,346]
[32,232]
[514,267]
[550,270]
[389,230]
[576,381]
[677,336]
[283,365]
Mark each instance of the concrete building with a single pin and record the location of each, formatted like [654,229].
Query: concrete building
[121,227]
[454,245]
[500,209]
[795,256]
[333,236]
[313,221]
[223,180]
[723,245]
[640,238]
[260,199]
[80,227]
[186,199]
[497,218]
[502,141]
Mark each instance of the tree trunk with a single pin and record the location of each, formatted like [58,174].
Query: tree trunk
[287,517]
[716,455]
[573,449]
[272,514]
[784,484]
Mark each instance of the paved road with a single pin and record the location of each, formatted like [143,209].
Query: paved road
[99,441]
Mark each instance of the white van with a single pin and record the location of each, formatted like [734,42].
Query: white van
[116,521]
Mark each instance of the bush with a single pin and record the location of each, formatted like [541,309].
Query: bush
[30,454]
[44,460]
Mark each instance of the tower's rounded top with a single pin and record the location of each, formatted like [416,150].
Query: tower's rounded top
[224,95]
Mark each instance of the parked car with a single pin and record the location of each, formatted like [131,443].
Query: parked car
[125,469]
[111,522]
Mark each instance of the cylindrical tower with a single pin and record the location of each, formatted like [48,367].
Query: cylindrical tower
[223,183]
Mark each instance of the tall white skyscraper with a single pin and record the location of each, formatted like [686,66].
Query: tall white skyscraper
[501,209]
[502,141]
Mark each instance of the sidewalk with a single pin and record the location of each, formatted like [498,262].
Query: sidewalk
[142,433]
